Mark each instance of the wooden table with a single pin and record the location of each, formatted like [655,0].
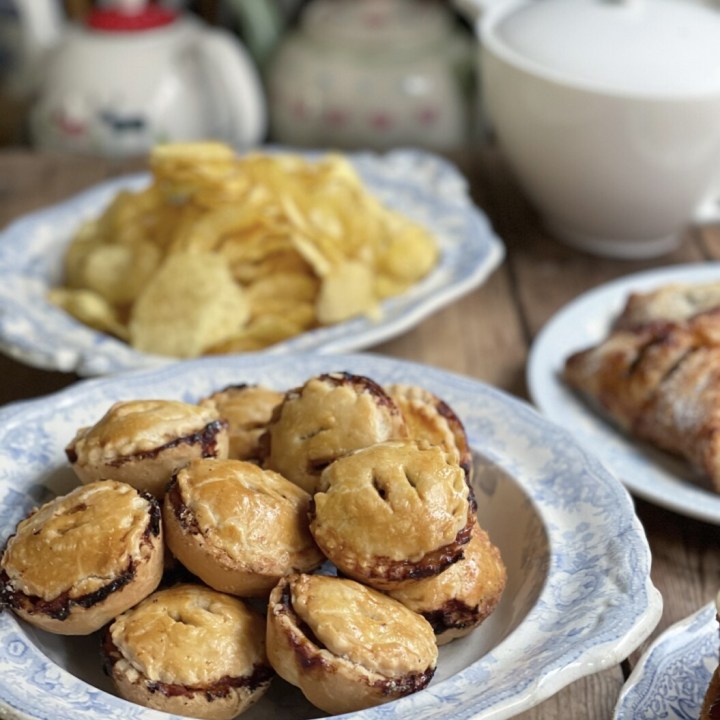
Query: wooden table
[485,335]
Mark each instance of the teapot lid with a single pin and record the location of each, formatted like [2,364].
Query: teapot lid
[648,47]
[129,16]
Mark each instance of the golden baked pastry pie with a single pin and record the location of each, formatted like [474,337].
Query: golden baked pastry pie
[143,442]
[392,512]
[189,650]
[345,645]
[238,527]
[81,559]
[462,596]
[247,410]
[659,382]
[328,416]
[432,419]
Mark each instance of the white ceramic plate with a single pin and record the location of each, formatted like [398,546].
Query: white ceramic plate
[648,473]
[419,184]
[578,599]
[672,676]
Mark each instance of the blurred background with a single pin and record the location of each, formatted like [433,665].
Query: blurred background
[114,77]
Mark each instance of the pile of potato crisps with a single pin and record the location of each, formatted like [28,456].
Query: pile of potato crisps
[225,253]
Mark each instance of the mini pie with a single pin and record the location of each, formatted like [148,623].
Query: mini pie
[392,512]
[189,650]
[432,419]
[461,597]
[238,527]
[347,646]
[82,558]
[143,442]
[328,416]
[247,410]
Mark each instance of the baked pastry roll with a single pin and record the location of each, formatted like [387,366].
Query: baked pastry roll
[328,416]
[674,302]
[660,382]
[432,419]
[189,650]
[82,558]
[347,646]
[461,597]
[143,442]
[247,410]
[392,512]
[238,527]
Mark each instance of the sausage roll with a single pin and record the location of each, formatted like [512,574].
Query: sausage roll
[346,646]
[238,527]
[328,416]
[79,560]
[143,442]
[659,382]
[392,512]
[189,650]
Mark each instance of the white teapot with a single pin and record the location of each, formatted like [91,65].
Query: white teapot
[136,74]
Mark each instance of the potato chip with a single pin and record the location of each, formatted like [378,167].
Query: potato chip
[190,304]
[89,308]
[239,252]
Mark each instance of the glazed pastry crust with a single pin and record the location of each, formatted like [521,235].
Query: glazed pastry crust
[247,410]
[143,442]
[80,559]
[461,597]
[392,511]
[189,650]
[329,416]
[430,418]
[347,646]
[659,382]
[238,527]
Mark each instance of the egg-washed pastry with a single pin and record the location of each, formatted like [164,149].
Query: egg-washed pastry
[189,650]
[392,512]
[347,646]
[674,302]
[82,558]
[239,528]
[660,383]
[430,418]
[247,410]
[329,416]
[143,442]
[463,595]
[711,700]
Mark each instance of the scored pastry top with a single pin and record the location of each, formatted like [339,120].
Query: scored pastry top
[190,635]
[256,516]
[363,625]
[135,426]
[79,542]
[399,499]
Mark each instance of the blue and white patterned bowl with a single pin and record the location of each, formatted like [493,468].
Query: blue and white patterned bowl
[672,677]
[419,184]
[578,599]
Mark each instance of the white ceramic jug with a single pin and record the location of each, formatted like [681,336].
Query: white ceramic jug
[133,75]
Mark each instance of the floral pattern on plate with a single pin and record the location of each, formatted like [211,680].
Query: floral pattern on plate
[417,183]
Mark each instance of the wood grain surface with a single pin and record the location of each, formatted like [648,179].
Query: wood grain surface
[486,335]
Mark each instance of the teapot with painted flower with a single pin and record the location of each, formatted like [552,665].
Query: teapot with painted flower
[374,74]
[134,74]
